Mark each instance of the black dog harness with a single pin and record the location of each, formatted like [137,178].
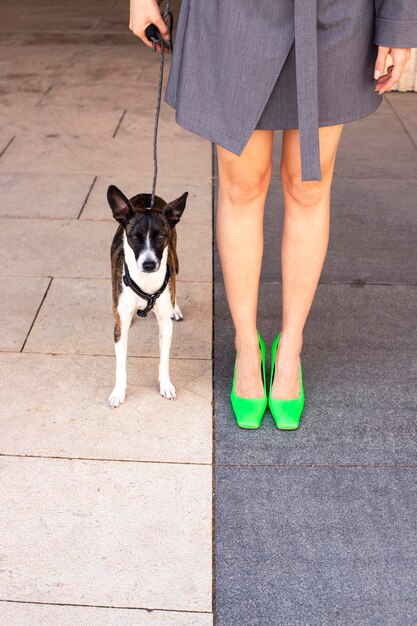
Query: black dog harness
[149,297]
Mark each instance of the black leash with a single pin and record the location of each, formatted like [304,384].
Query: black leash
[149,297]
[153,34]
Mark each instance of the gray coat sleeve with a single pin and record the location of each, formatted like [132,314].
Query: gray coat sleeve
[396,23]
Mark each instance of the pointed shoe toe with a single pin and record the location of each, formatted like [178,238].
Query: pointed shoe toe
[286,413]
[250,411]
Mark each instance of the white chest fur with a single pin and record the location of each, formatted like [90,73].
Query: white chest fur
[149,282]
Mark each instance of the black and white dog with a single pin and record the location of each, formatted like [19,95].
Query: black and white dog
[144,264]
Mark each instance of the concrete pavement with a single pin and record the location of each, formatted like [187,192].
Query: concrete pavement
[106,514]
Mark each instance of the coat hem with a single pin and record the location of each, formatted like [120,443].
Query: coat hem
[332,121]
[235,146]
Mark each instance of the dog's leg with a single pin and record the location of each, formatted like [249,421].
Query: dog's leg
[121,332]
[177,315]
[163,312]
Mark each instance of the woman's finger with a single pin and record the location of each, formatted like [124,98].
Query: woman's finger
[162,27]
[380,61]
[400,57]
[386,76]
[393,78]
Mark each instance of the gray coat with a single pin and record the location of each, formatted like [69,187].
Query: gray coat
[228,55]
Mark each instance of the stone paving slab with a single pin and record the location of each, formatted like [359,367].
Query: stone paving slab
[48,418]
[118,23]
[18,309]
[31,80]
[198,208]
[315,546]
[46,4]
[58,120]
[359,365]
[104,69]
[55,196]
[8,39]
[82,248]
[76,40]
[25,614]
[34,152]
[372,227]
[9,100]
[133,93]
[133,126]
[376,147]
[405,106]
[76,318]
[129,50]
[134,534]
[50,56]
[40,22]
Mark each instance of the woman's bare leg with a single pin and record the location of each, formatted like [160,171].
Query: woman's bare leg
[243,186]
[303,249]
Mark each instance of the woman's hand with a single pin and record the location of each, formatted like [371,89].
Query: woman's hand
[143,13]
[400,57]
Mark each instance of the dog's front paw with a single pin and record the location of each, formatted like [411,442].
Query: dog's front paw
[167,389]
[176,314]
[117,396]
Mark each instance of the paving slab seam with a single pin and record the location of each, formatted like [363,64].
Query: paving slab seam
[213,480]
[399,118]
[167,177]
[320,465]
[119,123]
[7,145]
[104,606]
[110,354]
[87,196]
[36,315]
[98,460]
[45,93]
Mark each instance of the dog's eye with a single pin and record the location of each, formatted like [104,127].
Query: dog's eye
[160,238]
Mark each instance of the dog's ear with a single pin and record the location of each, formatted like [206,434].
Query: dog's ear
[173,210]
[119,205]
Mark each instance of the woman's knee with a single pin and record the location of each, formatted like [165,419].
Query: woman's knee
[243,186]
[307,193]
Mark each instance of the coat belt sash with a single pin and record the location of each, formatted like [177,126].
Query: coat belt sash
[305,21]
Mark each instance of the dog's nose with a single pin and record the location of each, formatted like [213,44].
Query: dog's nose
[149,266]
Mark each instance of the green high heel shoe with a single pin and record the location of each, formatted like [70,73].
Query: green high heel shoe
[286,413]
[249,411]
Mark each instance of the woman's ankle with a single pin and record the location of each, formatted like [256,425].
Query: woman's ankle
[292,339]
[246,341]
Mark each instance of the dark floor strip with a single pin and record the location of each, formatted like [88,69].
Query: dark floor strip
[318,526]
